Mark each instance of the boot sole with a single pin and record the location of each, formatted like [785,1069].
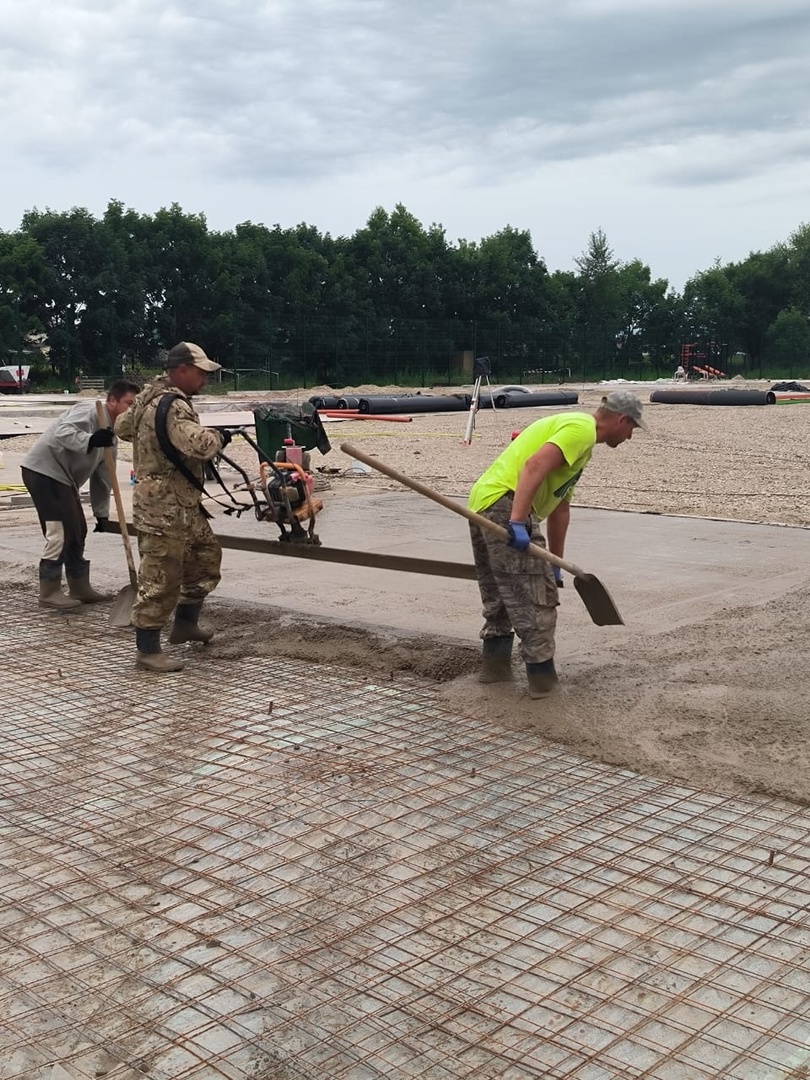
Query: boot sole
[536,692]
[142,666]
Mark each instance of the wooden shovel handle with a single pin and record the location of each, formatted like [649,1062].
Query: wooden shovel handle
[116,490]
[457,508]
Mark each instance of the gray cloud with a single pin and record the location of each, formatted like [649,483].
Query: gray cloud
[286,89]
[306,93]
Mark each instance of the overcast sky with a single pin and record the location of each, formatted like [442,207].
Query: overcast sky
[679,127]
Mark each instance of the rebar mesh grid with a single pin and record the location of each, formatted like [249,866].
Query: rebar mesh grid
[269,870]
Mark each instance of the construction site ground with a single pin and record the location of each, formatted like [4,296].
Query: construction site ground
[323,850]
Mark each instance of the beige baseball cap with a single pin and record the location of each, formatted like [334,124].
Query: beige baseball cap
[627,404]
[189,353]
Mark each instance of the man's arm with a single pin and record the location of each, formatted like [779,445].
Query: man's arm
[548,458]
[557,527]
[73,430]
[188,435]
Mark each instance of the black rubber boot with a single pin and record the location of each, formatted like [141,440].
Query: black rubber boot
[187,626]
[149,656]
[542,678]
[50,587]
[496,657]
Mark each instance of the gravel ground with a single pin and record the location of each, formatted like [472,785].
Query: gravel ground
[744,463]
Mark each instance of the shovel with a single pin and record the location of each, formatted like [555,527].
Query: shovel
[121,610]
[592,592]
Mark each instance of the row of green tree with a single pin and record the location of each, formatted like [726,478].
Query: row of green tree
[393,302]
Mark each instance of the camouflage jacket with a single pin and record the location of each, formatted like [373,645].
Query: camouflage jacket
[163,497]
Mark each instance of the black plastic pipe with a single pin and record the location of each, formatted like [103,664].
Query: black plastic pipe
[713,397]
[511,399]
[382,405]
[416,403]
[325,401]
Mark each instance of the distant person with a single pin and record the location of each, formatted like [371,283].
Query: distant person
[180,556]
[532,481]
[68,454]
[680,373]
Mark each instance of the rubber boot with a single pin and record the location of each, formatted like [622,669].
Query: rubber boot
[51,595]
[496,663]
[81,589]
[149,656]
[50,587]
[542,678]
[187,626]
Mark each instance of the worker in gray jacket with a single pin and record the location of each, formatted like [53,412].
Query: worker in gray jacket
[68,454]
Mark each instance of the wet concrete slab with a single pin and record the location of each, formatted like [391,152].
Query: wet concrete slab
[662,571]
[284,872]
[248,871]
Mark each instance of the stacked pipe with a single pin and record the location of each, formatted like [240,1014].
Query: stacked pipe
[512,399]
[415,403]
[380,404]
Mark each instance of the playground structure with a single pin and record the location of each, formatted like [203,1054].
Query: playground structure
[694,363]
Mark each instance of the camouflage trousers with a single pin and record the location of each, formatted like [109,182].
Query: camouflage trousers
[176,568]
[518,590]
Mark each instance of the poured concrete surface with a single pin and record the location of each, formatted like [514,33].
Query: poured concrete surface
[661,571]
[292,861]
[700,685]
[259,869]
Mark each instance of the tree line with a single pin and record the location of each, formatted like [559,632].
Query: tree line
[394,302]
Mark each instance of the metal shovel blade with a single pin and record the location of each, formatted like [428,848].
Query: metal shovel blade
[121,610]
[597,600]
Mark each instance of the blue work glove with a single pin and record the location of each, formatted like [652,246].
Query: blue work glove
[519,536]
[558,576]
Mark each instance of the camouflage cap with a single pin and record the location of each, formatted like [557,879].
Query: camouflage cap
[189,353]
[625,403]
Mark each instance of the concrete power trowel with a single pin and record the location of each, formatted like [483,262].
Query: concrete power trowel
[283,494]
[287,487]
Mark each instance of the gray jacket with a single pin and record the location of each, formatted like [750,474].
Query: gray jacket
[61,453]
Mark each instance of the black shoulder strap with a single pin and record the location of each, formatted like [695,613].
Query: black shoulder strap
[169,449]
[166,445]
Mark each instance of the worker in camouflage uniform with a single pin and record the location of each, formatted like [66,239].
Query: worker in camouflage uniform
[179,555]
[532,481]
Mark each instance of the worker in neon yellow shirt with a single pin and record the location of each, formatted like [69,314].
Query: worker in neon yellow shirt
[530,482]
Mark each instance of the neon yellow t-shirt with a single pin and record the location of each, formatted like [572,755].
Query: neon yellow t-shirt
[575,435]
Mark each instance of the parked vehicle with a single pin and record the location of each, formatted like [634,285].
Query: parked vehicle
[14,380]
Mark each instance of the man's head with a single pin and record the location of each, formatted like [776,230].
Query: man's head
[188,367]
[120,396]
[617,417]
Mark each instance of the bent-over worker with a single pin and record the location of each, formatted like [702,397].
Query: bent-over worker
[68,454]
[179,555]
[532,481]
